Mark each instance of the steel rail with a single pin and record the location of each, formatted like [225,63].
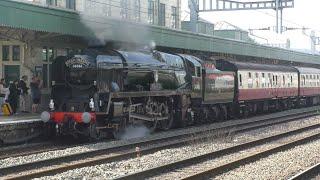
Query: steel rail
[152,172]
[35,148]
[100,156]
[32,149]
[309,173]
[7,152]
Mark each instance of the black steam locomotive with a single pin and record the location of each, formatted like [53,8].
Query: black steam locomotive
[103,91]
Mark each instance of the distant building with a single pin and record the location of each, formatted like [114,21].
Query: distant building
[156,12]
[221,29]
[203,27]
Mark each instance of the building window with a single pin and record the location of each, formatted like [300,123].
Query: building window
[174,17]
[48,56]
[44,54]
[151,12]
[5,53]
[124,9]
[137,10]
[162,15]
[16,53]
[52,2]
[71,4]
[107,8]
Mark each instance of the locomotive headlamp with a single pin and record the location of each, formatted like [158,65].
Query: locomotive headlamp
[51,105]
[91,104]
[86,117]
[45,116]
[94,83]
[53,83]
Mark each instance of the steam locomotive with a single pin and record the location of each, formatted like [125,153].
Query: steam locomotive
[103,91]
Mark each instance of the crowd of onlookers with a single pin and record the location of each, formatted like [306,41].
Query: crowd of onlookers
[17,93]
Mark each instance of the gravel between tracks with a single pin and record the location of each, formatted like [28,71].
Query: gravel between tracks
[184,172]
[282,165]
[85,148]
[115,169]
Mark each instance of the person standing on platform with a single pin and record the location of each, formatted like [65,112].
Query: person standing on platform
[35,86]
[23,94]
[4,92]
[14,95]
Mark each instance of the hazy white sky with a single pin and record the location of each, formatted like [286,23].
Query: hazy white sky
[305,13]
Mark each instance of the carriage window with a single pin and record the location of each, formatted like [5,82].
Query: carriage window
[240,80]
[257,75]
[198,71]
[276,80]
[291,80]
[283,80]
[249,75]
[273,79]
[263,81]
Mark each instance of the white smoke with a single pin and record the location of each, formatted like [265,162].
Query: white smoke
[135,131]
[104,19]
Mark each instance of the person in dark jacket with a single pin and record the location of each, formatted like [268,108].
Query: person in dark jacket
[23,93]
[14,95]
[35,86]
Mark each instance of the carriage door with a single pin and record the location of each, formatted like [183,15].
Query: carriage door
[273,85]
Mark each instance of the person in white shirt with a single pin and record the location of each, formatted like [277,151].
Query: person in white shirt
[4,92]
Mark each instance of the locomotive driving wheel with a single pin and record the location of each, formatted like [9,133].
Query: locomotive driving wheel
[167,123]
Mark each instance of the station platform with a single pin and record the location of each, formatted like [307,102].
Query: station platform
[19,118]
[20,128]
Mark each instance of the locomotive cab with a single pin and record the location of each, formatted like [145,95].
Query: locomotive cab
[194,74]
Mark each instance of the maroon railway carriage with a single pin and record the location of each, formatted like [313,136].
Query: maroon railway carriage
[260,87]
[309,86]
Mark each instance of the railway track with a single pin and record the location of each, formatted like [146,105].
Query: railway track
[309,173]
[202,166]
[120,152]
[35,148]
[22,150]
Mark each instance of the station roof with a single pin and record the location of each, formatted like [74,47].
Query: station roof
[45,19]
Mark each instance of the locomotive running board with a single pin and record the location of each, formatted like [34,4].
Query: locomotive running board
[147,118]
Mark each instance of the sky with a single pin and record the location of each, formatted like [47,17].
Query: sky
[306,13]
